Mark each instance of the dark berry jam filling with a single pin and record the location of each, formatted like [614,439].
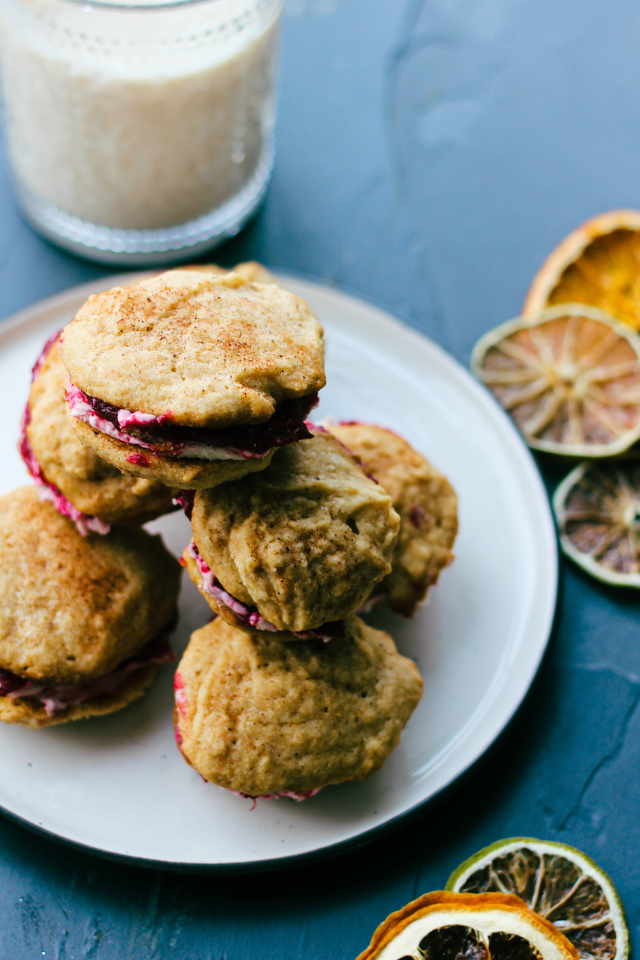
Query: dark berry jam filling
[168,439]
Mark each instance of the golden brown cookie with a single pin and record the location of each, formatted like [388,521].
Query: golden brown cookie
[199,375]
[427,505]
[215,351]
[261,716]
[303,543]
[74,610]
[82,485]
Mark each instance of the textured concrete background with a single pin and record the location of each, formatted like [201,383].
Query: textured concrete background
[430,155]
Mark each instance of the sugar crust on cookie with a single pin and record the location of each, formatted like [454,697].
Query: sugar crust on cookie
[73,608]
[261,716]
[214,350]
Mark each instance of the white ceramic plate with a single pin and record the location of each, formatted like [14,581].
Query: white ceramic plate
[118,784]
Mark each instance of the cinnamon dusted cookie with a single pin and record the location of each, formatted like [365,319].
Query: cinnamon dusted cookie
[264,717]
[82,619]
[192,378]
[297,547]
[81,485]
[425,501]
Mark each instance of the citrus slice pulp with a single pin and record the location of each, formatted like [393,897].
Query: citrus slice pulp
[560,884]
[569,377]
[598,264]
[597,509]
[451,926]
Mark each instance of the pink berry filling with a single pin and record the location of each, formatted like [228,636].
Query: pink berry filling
[181,697]
[291,794]
[418,516]
[48,491]
[371,601]
[249,616]
[185,499]
[56,698]
[168,440]
[37,367]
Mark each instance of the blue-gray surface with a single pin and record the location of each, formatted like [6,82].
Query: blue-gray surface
[430,155]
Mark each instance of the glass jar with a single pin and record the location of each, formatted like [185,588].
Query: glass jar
[139,133]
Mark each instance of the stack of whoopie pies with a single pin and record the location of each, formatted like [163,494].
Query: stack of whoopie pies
[194,388]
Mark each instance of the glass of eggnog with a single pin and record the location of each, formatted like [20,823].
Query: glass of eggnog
[139,132]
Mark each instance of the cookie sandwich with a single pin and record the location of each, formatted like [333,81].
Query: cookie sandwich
[83,620]
[267,718]
[81,485]
[192,378]
[426,503]
[295,548]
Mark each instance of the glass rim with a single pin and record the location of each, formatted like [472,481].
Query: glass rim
[147,7]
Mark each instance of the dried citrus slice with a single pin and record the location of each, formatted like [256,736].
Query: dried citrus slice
[569,377]
[597,508]
[560,884]
[450,926]
[598,264]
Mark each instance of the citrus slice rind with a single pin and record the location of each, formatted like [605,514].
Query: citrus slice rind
[560,883]
[598,264]
[597,509]
[418,930]
[569,377]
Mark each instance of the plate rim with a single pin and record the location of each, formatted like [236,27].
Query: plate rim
[34,312]
[291,861]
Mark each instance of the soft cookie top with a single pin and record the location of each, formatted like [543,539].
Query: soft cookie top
[58,460]
[71,607]
[261,716]
[427,505]
[304,542]
[250,270]
[199,349]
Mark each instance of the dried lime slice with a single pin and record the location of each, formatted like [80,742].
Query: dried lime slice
[597,508]
[560,884]
[569,377]
[460,926]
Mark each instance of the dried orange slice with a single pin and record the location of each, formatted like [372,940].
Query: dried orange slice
[448,926]
[560,883]
[597,264]
[597,508]
[569,377]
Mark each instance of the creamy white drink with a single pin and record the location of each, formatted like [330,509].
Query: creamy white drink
[138,118]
